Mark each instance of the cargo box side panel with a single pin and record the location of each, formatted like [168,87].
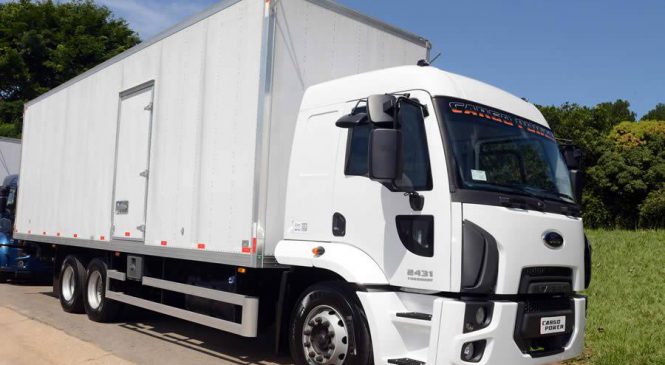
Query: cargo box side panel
[205,79]
[228,146]
[316,42]
[176,120]
[67,162]
[200,191]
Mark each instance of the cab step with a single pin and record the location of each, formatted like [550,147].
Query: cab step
[405,361]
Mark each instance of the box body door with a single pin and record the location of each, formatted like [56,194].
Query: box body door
[132,162]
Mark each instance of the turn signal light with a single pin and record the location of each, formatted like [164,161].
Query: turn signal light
[318,251]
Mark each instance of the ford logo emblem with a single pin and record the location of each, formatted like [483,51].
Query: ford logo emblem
[553,239]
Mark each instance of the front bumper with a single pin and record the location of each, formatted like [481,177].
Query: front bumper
[440,340]
[501,347]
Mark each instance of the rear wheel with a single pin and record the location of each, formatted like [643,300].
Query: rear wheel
[97,306]
[329,327]
[72,277]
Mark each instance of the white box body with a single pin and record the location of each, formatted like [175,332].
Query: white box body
[180,146]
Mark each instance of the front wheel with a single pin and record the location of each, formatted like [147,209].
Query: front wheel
[329,327]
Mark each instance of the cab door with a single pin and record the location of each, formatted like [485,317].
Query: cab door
[412,246]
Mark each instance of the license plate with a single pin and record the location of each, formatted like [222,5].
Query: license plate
[549,325]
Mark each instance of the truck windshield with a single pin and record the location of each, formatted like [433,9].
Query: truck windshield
[499,151]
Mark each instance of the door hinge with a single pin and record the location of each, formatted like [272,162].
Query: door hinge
[148,107]
[141,228]
[145,173]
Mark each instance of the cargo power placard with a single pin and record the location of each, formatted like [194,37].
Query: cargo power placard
[493,115]
[549,325]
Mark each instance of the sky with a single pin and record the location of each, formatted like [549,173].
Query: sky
[548,51]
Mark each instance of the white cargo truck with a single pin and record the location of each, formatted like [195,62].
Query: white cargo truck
[297,167]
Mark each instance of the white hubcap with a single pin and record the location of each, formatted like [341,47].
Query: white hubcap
[325,337]
[68,284]
[95,288]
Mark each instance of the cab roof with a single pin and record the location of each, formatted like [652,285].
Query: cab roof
[433,80]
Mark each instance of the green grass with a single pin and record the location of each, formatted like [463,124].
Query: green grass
[626,318]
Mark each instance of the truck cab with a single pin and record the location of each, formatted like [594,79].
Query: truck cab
[18,259]
[449,204]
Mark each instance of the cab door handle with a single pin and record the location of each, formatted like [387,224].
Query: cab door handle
[338,225]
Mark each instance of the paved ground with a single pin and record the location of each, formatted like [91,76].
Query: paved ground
[34,330]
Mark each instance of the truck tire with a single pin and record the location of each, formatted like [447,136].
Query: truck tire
[70,288]
[97,306]
[329,326]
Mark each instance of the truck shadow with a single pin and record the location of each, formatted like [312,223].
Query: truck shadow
[211,342]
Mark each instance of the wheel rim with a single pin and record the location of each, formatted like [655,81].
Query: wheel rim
[68,284]
[325,338]
[95,289]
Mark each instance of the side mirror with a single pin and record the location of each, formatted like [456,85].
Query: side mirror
[351,120]
[577,180]
[3,204]
[572,155]
[381,109]
[385,154]
[4,193]
[5,225]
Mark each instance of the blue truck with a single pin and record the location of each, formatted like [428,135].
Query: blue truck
[19,259]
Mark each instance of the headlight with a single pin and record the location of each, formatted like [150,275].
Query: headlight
[477,315]
[481,316]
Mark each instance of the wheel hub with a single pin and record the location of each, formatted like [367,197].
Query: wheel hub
[68,285]
[325,337]
[95,288]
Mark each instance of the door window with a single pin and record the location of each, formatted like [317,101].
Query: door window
[417,173]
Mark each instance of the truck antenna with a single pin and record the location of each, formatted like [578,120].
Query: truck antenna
[425,63]
[431,62]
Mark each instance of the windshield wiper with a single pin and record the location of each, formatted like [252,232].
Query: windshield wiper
[556,194]
[570,208]
[514,202]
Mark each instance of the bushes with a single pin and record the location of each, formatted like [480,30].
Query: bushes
[652,210]
[624,162]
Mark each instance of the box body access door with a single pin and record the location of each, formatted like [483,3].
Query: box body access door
[132,161]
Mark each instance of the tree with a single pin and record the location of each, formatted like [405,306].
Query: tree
[589,128]
[657,113]
[586,126]
[630,177]
[43,44]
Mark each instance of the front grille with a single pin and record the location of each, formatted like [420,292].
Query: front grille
[547,271]
[546,280]
[550,305]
